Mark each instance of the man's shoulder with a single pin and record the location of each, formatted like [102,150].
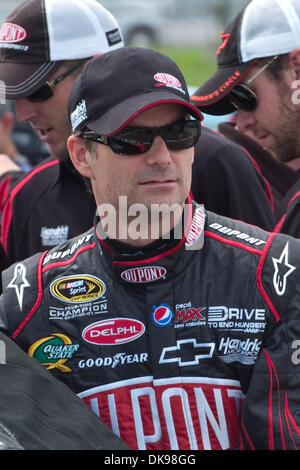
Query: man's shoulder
[212,141]
[42,174]
[276,259]
[235,232]
[24,281]
[64,253]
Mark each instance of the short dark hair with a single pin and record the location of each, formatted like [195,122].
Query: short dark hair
[68,64]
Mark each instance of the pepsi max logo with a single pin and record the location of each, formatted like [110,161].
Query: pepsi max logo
[144,274]
[162,315]
[12,33]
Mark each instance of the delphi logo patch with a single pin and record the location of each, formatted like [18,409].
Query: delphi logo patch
[113,331]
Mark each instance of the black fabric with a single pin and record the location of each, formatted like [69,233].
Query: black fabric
[174,346]
[52,196]
[279,175]
[227,183]
[37,412]
[289,222]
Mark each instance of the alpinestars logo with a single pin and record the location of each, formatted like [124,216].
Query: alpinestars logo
[282,270]
[19,282]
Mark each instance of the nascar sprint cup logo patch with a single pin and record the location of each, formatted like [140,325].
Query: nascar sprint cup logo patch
[77,288]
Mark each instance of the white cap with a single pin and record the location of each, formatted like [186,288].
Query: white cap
[264,28]
[39,34]
[269,27]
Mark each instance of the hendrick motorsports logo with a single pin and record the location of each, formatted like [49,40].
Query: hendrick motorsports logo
[78,288]
[236,350]
[53,351]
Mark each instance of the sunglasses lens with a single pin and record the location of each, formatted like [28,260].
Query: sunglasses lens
[177,136]
[42,94]
[181,135]
[131,142]
[242,97]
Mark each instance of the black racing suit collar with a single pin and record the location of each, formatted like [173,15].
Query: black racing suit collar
[159,261]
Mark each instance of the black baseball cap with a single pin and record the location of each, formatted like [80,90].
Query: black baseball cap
[39,35]
[264,28]
[117,86]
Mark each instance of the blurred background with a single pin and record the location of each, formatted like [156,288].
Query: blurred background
[187,30]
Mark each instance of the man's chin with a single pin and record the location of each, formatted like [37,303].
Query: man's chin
[57,151]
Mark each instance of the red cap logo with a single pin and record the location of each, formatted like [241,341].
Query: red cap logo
[167,79]
[225,38]
[12,33]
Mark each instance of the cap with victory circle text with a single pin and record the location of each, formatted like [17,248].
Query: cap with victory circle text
[264,28]
[115,87]
[39,34]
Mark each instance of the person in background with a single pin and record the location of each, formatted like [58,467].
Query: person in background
[51,204]
[52,39]
[7,145]
[257,76]
[163,317]
[281,176]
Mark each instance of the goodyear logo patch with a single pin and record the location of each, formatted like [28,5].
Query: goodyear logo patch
[53,351]
[77,288]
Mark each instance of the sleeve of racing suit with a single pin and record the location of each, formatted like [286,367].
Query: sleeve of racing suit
[271,410]
[22,284]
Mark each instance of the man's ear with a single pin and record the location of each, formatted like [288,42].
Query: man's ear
[80,156]
[295,61]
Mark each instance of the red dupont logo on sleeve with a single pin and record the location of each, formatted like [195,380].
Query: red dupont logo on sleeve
[113,331]
[11,32]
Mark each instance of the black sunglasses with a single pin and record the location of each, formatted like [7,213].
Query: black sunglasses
[46,91]
[134,140]
[242,97]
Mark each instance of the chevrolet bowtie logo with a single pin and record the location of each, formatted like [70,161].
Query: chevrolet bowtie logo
[187,352]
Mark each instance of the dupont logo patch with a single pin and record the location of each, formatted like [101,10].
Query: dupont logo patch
[78,288]
[113,331]
[143,275]
[10,32]
[196,229]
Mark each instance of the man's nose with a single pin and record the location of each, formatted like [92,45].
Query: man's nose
[245,120]
[159,154]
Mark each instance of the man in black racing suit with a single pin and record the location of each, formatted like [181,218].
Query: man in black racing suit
[189,342]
